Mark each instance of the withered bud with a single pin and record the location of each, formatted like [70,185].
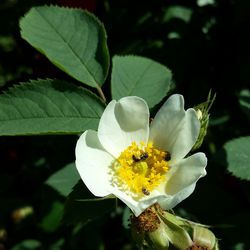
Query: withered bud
[148,221]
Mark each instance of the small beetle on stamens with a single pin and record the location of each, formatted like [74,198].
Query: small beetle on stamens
[136,159]
[142,157]
[145,191]
[167,156]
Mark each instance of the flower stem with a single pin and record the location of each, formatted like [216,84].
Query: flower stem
[101,94]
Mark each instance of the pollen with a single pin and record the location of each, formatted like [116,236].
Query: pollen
[140,169]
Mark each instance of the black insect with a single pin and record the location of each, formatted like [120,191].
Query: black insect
[167,156]
[145,191]
[142,157]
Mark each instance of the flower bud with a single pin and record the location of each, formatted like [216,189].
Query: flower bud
[199,114]
[159,238]
[202,110]
[155,230]
[203,238]
[160,230]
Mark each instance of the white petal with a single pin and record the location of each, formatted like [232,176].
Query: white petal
[186,172]
[128,200]
[174,129]
[122,123]
[92,163]
[182,178]
[137,206]
[170,201]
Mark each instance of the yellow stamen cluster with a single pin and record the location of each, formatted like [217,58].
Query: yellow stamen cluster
[140,169]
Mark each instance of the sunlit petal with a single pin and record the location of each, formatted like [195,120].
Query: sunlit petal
[182,178]
[174,129]
[186,172]
[93,163]
[170,201]
[122,123]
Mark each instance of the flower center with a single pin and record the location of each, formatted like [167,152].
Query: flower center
[140,168]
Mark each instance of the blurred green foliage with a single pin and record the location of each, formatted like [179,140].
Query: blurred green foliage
[206,46]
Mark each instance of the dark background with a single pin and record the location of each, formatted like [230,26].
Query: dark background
[206,47]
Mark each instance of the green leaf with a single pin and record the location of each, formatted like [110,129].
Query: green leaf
[179,12]
[64,180]
[29,244]
[238,157]
[126,218]
[58,245]
[239,246]
[48,107]
[73,39]
[244,100]
[134,75]
[52,220]
[77,210]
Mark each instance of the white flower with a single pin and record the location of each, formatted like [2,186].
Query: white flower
[138,162]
